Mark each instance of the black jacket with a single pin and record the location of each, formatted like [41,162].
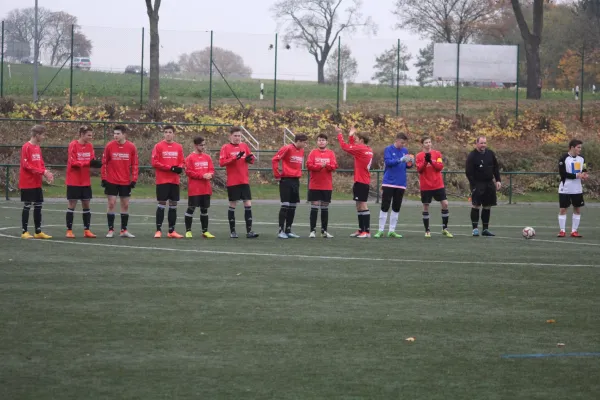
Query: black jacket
[482,167]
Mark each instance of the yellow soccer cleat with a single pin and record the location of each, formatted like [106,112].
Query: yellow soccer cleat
[26,235]
[189,235]
[41,235]
[427,234]
[447,234]
[208,235]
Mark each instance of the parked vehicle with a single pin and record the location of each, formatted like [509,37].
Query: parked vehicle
[29,60]
[135,69]
[83,63]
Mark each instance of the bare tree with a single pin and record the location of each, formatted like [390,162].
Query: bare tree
[229,63]
[532,40]
[154,90]
[317,24]
[58,42]
[20,26]
[449,21]
[348,66]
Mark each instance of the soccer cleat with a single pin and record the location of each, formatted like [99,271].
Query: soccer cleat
[158,235]
[561,234]
[233,235]
[428,234]
[312,234]
[189,235]
[355,234]
[207,235]
[486,232]
[282,235]
[110,234]
[378,235]
[292,235]
[26,235]
[326,235]
[475,232]
[41,235]
[447,234]
[88,234]
[125,234]
[393,234]
[174,235]
[364,235]
[576,234]
[69,234]
[251,235]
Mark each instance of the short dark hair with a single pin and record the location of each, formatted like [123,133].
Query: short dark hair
[171,127]
[121,128]
[234,129]
[424,138]
[479,138]
[300,138]
[574,143]
[322,136]
[85,128]
[363,136]
[198,140]
[401,136]
[37,130]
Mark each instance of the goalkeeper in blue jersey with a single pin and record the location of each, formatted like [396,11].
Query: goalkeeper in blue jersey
[397,160]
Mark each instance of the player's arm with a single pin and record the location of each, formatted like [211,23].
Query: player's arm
[496,167]
[105,159]
[225,157]
[470,170]
[562,170]
[157,161]
[310,163]
[389,159]
[211,167]
[249,157]
[438,165]
[180,158]
[26,165]
[275,161]
[420,162]
[135,165]
[189,169]
[333,165]
[73,162]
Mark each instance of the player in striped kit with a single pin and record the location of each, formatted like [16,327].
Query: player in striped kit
[571,168]
[200,170]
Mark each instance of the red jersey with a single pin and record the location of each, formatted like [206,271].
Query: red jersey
[78,165]
[32,167]
[430,174]
[321,177]
[120,164]
[237,170]
[164,156]
[363,157]
[196,165]
[291,158]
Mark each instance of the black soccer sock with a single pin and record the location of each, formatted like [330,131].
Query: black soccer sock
[367,221]
[160,216]
[475,217]
[231,218]
[189,217]
[282,217]
[37,217]
[360,221]
[124,221]
[87,218]
[248,218]
[110,218]
[314,213]
[426,220]
[445,218]
[324,217]
[25,216]
[172,218]
[485,217]
[70,212]
[289,220]
[204,219]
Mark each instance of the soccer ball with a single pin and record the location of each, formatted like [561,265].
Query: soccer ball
[528,232]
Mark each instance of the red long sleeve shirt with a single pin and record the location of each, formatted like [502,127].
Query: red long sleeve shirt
[291,159]
[237,170]
[321,178]
[196,165]
[363,157]
[32,167]
[164,156]
[78,164]
[120,163]
[430,174]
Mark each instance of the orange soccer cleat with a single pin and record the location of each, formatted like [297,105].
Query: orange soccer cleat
[158,235]
[174,235]
[70,234]
[576,234]
[88,234]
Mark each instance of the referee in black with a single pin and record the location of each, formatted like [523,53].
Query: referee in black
[482,170]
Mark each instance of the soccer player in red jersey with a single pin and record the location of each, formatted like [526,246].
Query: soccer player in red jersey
[199,170]
[321,163]
[363,157]
[120,168]
[235,156]
[291,157]
[30,182]
[429,166]
[79,186]
[168,162]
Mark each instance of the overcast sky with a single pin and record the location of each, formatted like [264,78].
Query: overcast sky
[243,26]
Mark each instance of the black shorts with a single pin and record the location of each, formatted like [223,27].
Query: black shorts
[360,192]
[391,196]
[167,191]
[239,192]
[35,195]
[79,192]
[484,194]
[319,195]
[117,190]
[289,190]
[202,201]
[437,195]
[566,200]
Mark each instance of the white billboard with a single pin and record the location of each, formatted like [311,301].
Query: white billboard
[478,63]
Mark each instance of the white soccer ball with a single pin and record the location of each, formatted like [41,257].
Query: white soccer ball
[528,232]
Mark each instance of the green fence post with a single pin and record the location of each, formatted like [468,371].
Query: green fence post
[510,188]
[71,79]
[2,64]
[398,82]
[338,72]
[377,188]
[142,73]
[210,72]
[517,91]
[582,82]
[457,74]
[6,185]
[275,79]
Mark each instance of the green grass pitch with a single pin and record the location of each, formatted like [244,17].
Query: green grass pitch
[299,319]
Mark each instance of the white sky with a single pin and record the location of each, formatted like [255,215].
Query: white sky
[243,26]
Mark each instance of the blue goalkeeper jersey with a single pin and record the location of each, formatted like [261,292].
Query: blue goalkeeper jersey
[395,170]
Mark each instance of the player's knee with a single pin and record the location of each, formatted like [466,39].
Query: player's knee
[385,206]
[37,205]
[396,208]
[172,204]
[204,211]
[162,204]
[27,205]
[444,204]
[324,204]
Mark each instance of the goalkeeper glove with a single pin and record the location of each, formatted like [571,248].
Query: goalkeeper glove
[132,185]
[428,157]
[240,155]
[95,163]
[103,183]
[249,158]
[176,169]
[406,158]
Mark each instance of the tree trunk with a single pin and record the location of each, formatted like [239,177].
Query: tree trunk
[534,72]
[154,90]
[321,72]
